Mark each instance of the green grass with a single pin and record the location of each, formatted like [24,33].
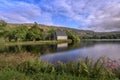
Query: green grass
[15,75]
[40,76]
[35,42]
[25,66]
[12,75]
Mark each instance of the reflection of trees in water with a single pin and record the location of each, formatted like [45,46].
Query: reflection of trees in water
[42,49]
[2,48]
[14,49]
[36,49]
[84,44]
[73,46]
[80,45]
[39,49]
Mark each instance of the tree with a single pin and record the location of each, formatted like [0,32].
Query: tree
[73,37]
[35,24]
[50,35]
[34,33]
[19,33]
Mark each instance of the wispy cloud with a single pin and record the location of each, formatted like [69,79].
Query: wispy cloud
[18,11]
[107,19]
[22,12]
[97,15]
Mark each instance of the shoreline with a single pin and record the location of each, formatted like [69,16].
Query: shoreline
[35,42]
[109,40]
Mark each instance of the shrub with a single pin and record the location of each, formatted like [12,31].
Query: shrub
[73,37]
[35,66]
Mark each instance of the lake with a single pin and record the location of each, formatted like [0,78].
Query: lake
[92,50]
[68,52]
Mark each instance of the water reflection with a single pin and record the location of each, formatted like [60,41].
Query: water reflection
[61,47]
[35,49]
[92,50]
[68,52]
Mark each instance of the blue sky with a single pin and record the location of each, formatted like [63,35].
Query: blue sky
[97,15]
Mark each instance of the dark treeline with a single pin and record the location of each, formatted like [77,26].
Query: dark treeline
[110,35]
[100,35]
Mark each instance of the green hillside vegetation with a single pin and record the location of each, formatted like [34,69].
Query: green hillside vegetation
[29,32]
[36,32]
[25,66]
[83,34]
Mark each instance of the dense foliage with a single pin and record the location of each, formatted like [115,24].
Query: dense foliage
[18,33]
[73,36]
[27,67]
[23,33]
[35,33]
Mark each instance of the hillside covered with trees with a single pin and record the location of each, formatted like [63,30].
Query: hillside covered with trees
[36,32]
[30,32]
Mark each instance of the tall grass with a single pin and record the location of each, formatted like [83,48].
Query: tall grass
[32,68]
[11,61]
[12,75]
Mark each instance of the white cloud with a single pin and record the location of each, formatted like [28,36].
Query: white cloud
[98,15]
[19,12]
[22,12]
[107,19]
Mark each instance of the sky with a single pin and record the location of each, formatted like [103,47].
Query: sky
[96,15]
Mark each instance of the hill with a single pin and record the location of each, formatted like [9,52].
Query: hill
[47,27]
[84,34]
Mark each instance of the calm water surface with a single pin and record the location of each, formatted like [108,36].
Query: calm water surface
[92,50]
[68,52]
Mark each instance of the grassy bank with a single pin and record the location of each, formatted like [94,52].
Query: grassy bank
[25,66]
[35,42]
